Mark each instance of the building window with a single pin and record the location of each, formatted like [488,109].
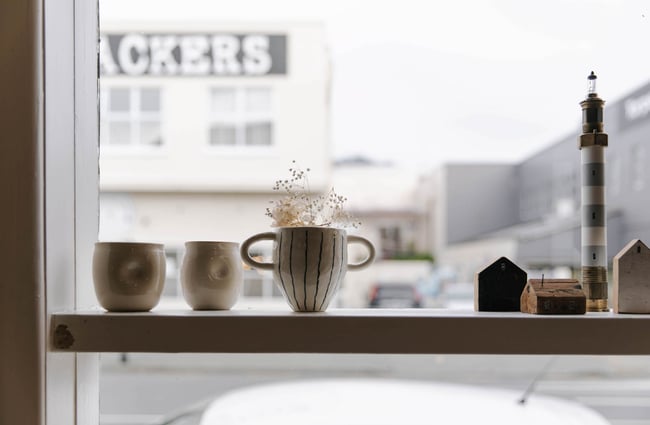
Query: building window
[241,116]
[390,241]
[130,116]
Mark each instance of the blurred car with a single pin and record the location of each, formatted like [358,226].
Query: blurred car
[383,402]
[394,295]
[430,287]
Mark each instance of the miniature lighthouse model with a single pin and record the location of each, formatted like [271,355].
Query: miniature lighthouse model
[592,144]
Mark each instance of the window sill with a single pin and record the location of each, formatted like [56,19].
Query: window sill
[350,331]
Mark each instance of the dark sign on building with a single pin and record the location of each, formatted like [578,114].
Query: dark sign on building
[139,54]
[636,107]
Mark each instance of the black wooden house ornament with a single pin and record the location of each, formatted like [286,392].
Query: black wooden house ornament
[498,287]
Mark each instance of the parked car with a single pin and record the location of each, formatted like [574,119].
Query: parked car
[394,295]
[383,402]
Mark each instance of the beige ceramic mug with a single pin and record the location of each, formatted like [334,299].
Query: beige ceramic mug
[309,263]
[211,275]
[128,276]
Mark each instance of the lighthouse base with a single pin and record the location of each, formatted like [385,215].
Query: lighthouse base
[594,283]
[597,305]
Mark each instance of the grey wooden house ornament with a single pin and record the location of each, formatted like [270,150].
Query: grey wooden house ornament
[498,286]
[632,279]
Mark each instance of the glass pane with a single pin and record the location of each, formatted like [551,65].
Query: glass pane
[258,134]
[150,100]
[223,135]
[120,100]
[223,100]
[119,133]
[456,184]
[258,99]
[150,133]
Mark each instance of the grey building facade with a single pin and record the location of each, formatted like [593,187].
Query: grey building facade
[535,204]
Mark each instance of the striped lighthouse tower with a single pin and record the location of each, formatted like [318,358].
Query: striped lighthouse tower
[592,144]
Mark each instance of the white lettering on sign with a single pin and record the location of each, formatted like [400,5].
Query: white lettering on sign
[256,55]
[224,54]
[162,56]
[191,54]
[132,54]
[638,107]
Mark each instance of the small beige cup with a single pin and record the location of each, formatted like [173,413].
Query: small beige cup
[128,276]
[211,274]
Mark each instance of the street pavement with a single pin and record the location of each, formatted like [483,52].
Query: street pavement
[139,389]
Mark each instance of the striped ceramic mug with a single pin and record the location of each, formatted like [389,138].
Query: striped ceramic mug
[309,263]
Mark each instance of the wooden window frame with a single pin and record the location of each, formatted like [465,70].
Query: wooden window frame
[48,224]
[49,191]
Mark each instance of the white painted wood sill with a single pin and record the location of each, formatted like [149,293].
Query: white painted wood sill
[417,331]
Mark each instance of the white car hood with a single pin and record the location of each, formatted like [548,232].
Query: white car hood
[390,402]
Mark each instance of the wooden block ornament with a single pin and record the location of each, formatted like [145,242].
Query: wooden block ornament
[498,286]
[631,292]
[553,296]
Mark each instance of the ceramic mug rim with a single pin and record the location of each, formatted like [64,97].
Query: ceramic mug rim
[119,244]
[215,244]
[312,227]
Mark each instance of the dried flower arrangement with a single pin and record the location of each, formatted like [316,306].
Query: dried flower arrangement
[300,208]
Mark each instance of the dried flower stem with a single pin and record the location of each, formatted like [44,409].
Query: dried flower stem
[299,208]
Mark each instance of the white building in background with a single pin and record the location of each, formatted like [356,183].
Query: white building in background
[389,202]
[394,205]
[197,123]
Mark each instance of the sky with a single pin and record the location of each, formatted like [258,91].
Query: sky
[420,83]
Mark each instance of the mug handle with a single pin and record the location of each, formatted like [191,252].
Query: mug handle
[371,252]
[245,255]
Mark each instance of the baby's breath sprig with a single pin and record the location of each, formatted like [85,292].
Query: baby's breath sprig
[299,208]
